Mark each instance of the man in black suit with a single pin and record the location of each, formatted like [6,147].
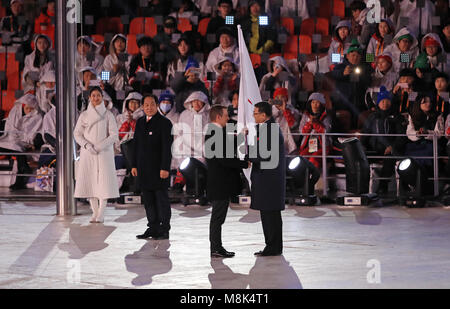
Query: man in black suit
[223,175]
[268,178]
[151,164]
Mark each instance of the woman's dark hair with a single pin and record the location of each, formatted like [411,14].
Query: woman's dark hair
[96,88]
[37,53]
[264,107]
[232,93]
[357,5]
[234,66]
[419,118]
[150,95]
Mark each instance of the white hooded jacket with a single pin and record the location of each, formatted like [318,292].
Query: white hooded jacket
[117,79]
[20,130]
[393,49]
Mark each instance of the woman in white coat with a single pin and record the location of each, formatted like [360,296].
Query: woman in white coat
[96,132]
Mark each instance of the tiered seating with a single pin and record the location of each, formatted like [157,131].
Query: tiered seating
[141,25]
[184,24]
[109,25]
[10,66]
[203,26]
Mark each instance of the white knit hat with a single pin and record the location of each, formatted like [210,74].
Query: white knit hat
[197,95]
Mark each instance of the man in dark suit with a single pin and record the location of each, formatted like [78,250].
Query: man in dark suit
[223,175]
[151,164]
[268,178]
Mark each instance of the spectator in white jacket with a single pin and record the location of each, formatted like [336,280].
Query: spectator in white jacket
[87,56]
[404,43]
[117,63]
[24,122]
[40,61]
[227,48]
[47,86]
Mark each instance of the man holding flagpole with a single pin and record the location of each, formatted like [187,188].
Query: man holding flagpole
[267,176]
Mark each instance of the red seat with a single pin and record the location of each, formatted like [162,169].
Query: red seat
[8,99]
[132,47]
[307,81]
[329,8]
[184,24]
[203,25]
[308,27]
[288,23]
[322,26]
[12,70]
[256,60]
[298,45]
[109,25]
[141,25]
[98,38]
[339,8]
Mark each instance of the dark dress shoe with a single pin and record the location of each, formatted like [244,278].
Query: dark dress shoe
[267,253]
[147,234]
[162,236]
[222,253]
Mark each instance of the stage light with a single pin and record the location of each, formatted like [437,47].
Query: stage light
[229,20]
[195,173]
[357,173]
[335,58]
[302,176]
[414,183]
[105,75]
[263,20]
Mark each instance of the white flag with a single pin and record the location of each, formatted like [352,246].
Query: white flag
[249,95]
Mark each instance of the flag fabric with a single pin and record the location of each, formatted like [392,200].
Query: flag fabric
[249,95]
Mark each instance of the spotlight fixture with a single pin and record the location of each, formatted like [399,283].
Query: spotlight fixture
[302,176]
[195,173]
[414,183]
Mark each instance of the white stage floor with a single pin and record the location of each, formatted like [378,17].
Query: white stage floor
[324,247]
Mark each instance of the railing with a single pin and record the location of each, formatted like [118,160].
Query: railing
[324,156]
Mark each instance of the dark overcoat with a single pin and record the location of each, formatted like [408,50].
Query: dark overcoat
[223,173]
[152,144]
[268,188]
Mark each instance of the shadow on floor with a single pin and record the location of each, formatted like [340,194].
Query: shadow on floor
[152,259]
[132,215]
[86,239]
[252,216]
[267,273]
[29,261]
[308,212]
[193,211]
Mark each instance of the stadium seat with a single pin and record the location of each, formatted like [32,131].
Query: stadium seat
[322,26]
[288,23]
[12,70]
[141,25]
[307,81]
[203,25]
[109,25]
[184,24]
[256,60]
[329,8]
[98,38]
[132,47]
[308,27]
[298,44]
[8,99]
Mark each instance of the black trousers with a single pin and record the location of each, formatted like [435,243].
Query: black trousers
[157,208]
[218,215]
[273,230]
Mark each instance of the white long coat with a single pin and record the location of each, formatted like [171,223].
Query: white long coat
[96,174]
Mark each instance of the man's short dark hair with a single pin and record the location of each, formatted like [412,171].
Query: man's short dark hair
[149,95]
[264,107]
[215,111]
[357,5]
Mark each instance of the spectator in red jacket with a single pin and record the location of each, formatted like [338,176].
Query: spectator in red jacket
[315,120]
[45,23]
